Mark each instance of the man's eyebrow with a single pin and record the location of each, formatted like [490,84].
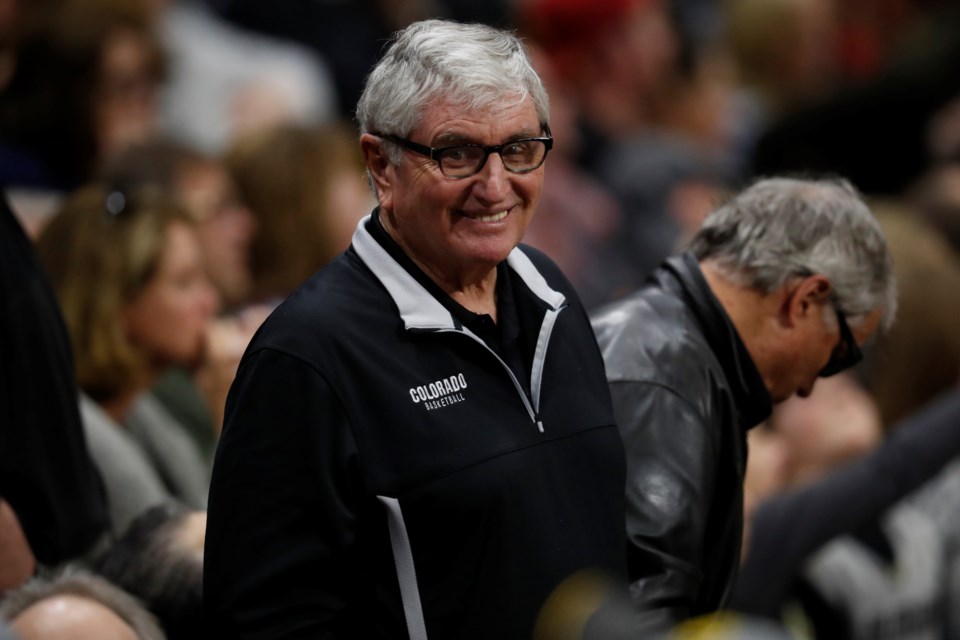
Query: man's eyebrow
[445,139]
[453,138]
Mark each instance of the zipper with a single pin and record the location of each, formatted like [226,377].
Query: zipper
[533,408]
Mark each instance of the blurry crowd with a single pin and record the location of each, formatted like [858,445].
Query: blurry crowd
[180,166]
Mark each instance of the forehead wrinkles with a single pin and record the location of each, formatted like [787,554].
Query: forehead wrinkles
[461,121]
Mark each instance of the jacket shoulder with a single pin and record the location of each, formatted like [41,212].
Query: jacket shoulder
[651,336]
[341,300]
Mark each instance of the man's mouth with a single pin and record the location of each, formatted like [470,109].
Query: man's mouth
[495,217]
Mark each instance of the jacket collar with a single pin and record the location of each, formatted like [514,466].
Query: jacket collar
[418,308]
[752,399]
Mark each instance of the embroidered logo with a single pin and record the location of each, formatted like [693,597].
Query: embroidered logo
[441,393]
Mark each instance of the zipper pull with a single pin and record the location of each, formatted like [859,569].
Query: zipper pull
[539,423]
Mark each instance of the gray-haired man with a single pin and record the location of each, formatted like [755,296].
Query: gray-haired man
[780,286]
[420,441]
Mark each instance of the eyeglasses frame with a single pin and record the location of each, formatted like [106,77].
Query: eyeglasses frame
[853,355]
[434,153]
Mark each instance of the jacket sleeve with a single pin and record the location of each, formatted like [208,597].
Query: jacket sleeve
[281,515]
[46,473]
[671,460]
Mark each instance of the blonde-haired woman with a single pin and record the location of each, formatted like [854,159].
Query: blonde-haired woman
[128,271]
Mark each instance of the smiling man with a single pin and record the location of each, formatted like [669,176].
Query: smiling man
[780,286]
[420,440]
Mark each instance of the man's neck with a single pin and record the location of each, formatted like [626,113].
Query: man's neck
[474,289]
[749,310]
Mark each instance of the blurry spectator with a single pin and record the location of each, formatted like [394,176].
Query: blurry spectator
[881,571]
[73,604]
[696,102]
[225,81]
[226,228]
[18,21]
[786,57]
[755,312]
[651,131]
[786,51]
[348,34]
[581,218]
[873,31]
[159,559]
[84,87]
[666,187]
[829,429]
[50,493]
[202,185]
[128,270]
[306,186]
[891,112]
[936,199]
[920,357]
[615,55]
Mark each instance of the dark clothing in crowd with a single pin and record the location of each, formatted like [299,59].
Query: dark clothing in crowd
[392,466]
[788,528]
[685,392]
[46,473]
[890,114]
[348,35]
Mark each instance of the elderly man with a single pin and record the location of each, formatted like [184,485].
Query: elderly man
[420,440]
[780,286]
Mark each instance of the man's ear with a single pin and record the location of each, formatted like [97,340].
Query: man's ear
[379,167]
[806,296]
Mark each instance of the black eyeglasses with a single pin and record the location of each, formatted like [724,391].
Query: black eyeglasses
[465,160]
[847,353]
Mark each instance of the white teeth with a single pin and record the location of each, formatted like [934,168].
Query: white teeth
[494,218]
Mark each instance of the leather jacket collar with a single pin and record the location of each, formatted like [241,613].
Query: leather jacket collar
[750,394]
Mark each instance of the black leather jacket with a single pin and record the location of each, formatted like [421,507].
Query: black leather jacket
[685,392]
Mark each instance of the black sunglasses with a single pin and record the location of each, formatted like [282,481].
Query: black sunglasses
[847,353]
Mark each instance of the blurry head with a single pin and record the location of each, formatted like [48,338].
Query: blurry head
[128,271]
[159,559]
[919,358]
[936,197]
[202,185]
[814,248]
[631,43]
[85,85]
[787,49]
[75,605]
[836,424]
[443,85]
[305,186]
[19,20]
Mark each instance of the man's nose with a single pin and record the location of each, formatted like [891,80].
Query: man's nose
[493,181]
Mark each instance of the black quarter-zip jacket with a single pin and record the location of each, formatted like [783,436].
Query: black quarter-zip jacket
[383,473]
